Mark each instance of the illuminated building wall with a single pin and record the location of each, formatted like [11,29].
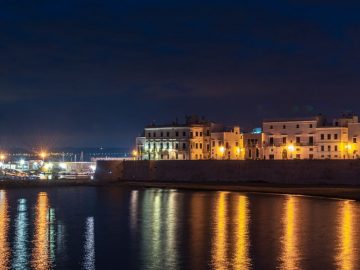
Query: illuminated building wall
[227,144]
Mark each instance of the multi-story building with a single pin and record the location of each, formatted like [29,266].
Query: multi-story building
[189,141]
[254,144]
[291,138]
[227,144]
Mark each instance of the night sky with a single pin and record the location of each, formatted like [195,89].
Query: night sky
[93,73]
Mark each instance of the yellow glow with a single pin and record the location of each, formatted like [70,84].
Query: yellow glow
[219,248]
[347,252]
[348,146]
[222,149]
[134,153]
[40,253]
[197,230]
[291,148]
[290,253]
[2,157]
[4,229]
[43,155]
[241,256]
[238,150]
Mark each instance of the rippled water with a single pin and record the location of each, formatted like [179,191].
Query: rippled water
[117,228]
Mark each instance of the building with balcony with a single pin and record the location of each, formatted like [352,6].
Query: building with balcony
[227,144]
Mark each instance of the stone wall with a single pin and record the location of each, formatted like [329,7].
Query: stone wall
[335,172]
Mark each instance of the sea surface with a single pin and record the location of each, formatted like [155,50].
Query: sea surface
[121,228]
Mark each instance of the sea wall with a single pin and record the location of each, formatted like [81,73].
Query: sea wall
[335,172]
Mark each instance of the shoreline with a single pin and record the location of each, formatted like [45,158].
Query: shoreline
[320,191]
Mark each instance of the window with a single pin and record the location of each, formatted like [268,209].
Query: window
[284,126]
[322,137]
[154,134]
[149,134]
[213,143]
[184,134]
[354,140]
[322,148]
[177,133]
[191,134]
[271,140]
[297,126]
[161,145]
[311,149]
[329,136]
[200,145]
[310,126]
[184,146]
[168,134]
[297,139]
[250,153]
[227,145]
[167,146]
[196,133]
[161,134]
[200,134]
[297,156]
[196,145]
[208,147]
[336,147]
[271,127]
[177,156]
[329,148]
[335,136]
[311,140]
[311,156]
[284,140]
[271,157]
[236,143]
[177,146]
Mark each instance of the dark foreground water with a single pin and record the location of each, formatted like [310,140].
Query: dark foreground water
[117,228]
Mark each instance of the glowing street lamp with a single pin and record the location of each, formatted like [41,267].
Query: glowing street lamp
[2,157]
[291,148]
[43,155]
[135,154]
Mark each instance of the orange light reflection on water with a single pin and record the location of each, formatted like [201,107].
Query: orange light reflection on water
[242,242]
[347,252]
[40,253]
[289,259]
[4,230]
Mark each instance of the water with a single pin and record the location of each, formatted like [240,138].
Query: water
[117,228]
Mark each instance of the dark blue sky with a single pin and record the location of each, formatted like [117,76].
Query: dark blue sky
[91,73]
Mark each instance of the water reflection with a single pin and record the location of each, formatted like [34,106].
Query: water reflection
[290,254]
[347,251]
[219,244]
[89,245]
[159,229]
[40,255]
[4,230]
[241,259]
[21,237]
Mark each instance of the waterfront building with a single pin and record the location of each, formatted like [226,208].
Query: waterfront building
[227,144]
[188,141]
[291,138]
[254,144]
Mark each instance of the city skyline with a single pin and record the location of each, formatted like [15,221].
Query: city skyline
[94,73]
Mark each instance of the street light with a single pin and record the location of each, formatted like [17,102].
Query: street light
[43,155]
[135,154]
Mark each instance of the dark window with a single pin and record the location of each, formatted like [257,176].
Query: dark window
[284,126]
[213,143]
[227,145]
[208,133]
[177,133]
[335,136]
[284,140]
[311,140]
[322,136]
[271,127]
[208,147]
[191,134]
[200,145]
[354,140]
[329,136]
[184,146]
[196,133]
[154,134]
[297,126]
[336,148]
[271,140]
[196,145]
[200,134]
[177,146]
[322,148]
[168,134]
[271,157]
[310,126]
[184,134]
[149,134]
[311,156]
[161,134]
[297,139]
[329,148]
